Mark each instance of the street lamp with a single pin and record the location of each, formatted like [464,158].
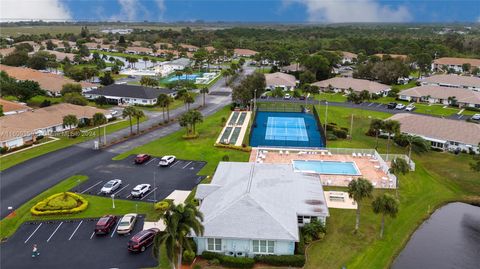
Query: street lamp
[154,184]
[254,99]
[326,116]
[113,200]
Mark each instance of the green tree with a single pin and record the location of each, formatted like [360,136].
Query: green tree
[138,114]
[204,91]
[195,118]
[318,65]
[399,166]
[99,119]
[424,63]
[70,121]
[180,220]
[71,88]
[162,102]
[75,99]
[148,81]
[358,189]
[188,99]
[40,59]
[101,101]
[185,120]
[107,79]
[16,58]
[386,205]
[391,127]
[376,127]
[129,112]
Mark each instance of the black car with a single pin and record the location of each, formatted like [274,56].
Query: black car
[392,105]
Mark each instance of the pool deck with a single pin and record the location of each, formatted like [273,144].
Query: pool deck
[368,164]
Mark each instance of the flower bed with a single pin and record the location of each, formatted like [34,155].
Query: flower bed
[60,203]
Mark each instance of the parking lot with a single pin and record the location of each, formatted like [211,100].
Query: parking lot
[72,244]
[181,175]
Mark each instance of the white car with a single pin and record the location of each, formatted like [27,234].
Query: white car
[167,160]
[410,107]
[111,186]
[127,223]
[140,190]
[476,117]
[287,96]
[400,106]
[113,112]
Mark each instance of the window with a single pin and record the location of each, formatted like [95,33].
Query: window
[214,244]
[263,246]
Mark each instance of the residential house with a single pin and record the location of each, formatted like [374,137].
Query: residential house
[441,95]
[453,80]
[19,129]
[60,55]
[402,57]
[244,53]
[456,64]
[139,51]
[280,80]
[50,82]
[6,51]
[292,68]
[10,108]
[444,134]
[124,94]
[347,84]
[189,48]
[166,68]
[252,209]
[348,57]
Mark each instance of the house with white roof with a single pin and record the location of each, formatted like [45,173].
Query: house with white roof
[166,68]
[280,80]
[251,209]
[347,84]
[452,80]
[441,95]
[456,64]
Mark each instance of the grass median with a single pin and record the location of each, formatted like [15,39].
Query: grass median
[97,207]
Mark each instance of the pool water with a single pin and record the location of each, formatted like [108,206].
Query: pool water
[327,167]
[184,77]
[291,129]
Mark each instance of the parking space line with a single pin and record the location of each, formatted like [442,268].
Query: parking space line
[92,186]
[186,165]
[149,193]
[54,231]
[121,189]
[129,196]
[151,161]
[75,230]
[33,233]
[371,104]
[113,232]
[379,105]
[174,164]
[92,235]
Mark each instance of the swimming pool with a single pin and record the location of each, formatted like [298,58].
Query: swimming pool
[184,77]
[285,129]
[327,167]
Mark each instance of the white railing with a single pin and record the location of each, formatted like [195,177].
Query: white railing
[402,156]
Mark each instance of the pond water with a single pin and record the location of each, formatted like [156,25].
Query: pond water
[449,239]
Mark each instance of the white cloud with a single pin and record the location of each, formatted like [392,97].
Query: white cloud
[128,9]
[21,10]
[134,10]
[352,11]
[161,8]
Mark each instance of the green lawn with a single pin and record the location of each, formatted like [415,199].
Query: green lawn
[330,97]
[200,149]
[430,109]
[176,104]
[97,206]
[19,157]
[439,178]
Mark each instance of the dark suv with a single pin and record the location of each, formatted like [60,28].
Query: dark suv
[142,240]
[392,105]
[105,224]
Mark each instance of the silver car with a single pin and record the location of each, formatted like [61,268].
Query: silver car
[127,224]
[111,186]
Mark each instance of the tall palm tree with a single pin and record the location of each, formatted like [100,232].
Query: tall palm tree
[196,117]
[188,99]
[168,102]
[377,126]
[99,119]
[416,144]
[204,91]
[180,220]
[129,112]
[145,60]
[391,127]
[386,205]
[138,114]
[69,121]
[161,101]
[359,189]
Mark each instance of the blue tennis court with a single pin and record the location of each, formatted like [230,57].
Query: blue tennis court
[294,129]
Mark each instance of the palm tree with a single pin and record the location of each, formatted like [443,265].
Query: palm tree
[178,74]
[386,205]
[416,144]
[161,101]
[69,121]
[184,121]
[180,220]
[391,127]
[188,99]
[187,71]
[138,114]
[204,91]
[196,117]
[99,119]
[129,112]
[376,125]
[145,59]
[168,102]
[359,189]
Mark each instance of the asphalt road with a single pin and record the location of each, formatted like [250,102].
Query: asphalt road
[24,181]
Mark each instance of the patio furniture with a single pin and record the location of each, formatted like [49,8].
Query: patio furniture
[354,155]
[281,152]
[286,152]
[323,153]
[329,153]
[377,166]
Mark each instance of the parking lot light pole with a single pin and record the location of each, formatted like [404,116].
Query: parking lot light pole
[154,184]
[113,200]
[326,115]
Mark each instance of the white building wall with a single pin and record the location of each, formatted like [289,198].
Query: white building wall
[235,246]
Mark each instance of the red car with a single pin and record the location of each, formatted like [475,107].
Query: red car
[141,158]
[142,240]
[105,224]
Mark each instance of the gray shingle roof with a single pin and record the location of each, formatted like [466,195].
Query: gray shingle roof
[259,201]
[130,91]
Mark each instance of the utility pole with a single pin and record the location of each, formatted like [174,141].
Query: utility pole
[326,116]
[154,184]
[351,127]
[105,135]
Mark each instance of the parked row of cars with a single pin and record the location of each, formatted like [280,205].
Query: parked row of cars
[164,161]
[139,242]
[112,185]
[400,106]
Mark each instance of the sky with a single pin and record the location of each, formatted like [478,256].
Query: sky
[287,11]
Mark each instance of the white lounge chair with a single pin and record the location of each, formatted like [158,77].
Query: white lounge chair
[286,152]
[323,153]
[329,153]
[377,166]
[354,155]
[281,152]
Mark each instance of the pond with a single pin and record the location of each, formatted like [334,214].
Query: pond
[449,239]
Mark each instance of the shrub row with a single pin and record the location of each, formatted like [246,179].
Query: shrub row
[36,210]
[162,205]
[229,261]
[245,149]
[282,260]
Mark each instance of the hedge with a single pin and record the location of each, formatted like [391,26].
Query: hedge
[162,205]
[229,261]
[282,260]
[188,257]
[245,149]
[37,209]
[209,255]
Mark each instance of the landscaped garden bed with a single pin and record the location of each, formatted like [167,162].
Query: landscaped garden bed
[60,203]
